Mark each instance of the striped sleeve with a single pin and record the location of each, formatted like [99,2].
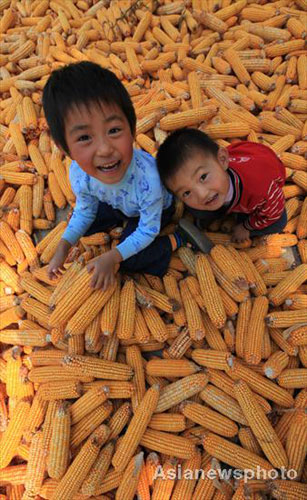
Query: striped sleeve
[268,210]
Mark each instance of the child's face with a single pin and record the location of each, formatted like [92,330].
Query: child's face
[99,139]
[202,181]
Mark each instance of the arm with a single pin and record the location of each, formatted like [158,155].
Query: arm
[268,210]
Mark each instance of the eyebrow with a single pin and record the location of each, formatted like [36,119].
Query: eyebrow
[195,172]
[85,126]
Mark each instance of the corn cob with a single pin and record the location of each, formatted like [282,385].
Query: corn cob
[136,428]
[176,392]
[260,425]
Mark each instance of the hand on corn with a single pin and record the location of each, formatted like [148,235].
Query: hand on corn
[103,269]
[239,234]
[57,261]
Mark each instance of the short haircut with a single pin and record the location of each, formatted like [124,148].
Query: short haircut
[82,83]
[178,147]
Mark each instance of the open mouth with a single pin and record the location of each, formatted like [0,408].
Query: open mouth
[108,168]
[212,199]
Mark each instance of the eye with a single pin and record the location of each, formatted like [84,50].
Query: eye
[114,130]
[203,177]
[83,138]
[185,194]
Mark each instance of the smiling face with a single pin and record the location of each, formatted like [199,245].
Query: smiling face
[100,140]
[202,181]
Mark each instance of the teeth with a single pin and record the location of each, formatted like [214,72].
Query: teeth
[109,165]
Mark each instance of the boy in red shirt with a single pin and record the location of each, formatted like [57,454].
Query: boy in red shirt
[245,178]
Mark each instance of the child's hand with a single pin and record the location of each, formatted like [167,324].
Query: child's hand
[239,234]
[57,261]
[103,269]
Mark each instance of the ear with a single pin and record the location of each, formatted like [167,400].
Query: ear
[223,158]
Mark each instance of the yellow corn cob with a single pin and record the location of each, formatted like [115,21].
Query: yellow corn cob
[93,341]
[126,315]
[80,290]
[295,444]
[155,324]
[84,427]
[38,194]
[11,437]
[293,378]
[119,420]
[9,239]
[168,443]
[168,422]
[65,282]
[33,287]
[18,140]
[248,440]
[98,470]
[79,469]
[88,311]
[288,285]
[86,365]
[48,206]
[252,349]
[259,384]
[278,127]
[172,291]
[209,290]
[275,364]
[171,367]
[163,487]
[36,465]
[187,118]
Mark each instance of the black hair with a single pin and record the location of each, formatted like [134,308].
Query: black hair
[178,147]
[82,83]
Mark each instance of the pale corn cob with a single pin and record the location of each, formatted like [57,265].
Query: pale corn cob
[192,311]
[233,454]
[176,392]
[37,338]
[135,360]
[209,419]
[136,428]
[260,425]
[224,403]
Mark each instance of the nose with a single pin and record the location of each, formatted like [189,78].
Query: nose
[201,194]
[104,147]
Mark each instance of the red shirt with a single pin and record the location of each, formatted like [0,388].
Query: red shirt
[257,176]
